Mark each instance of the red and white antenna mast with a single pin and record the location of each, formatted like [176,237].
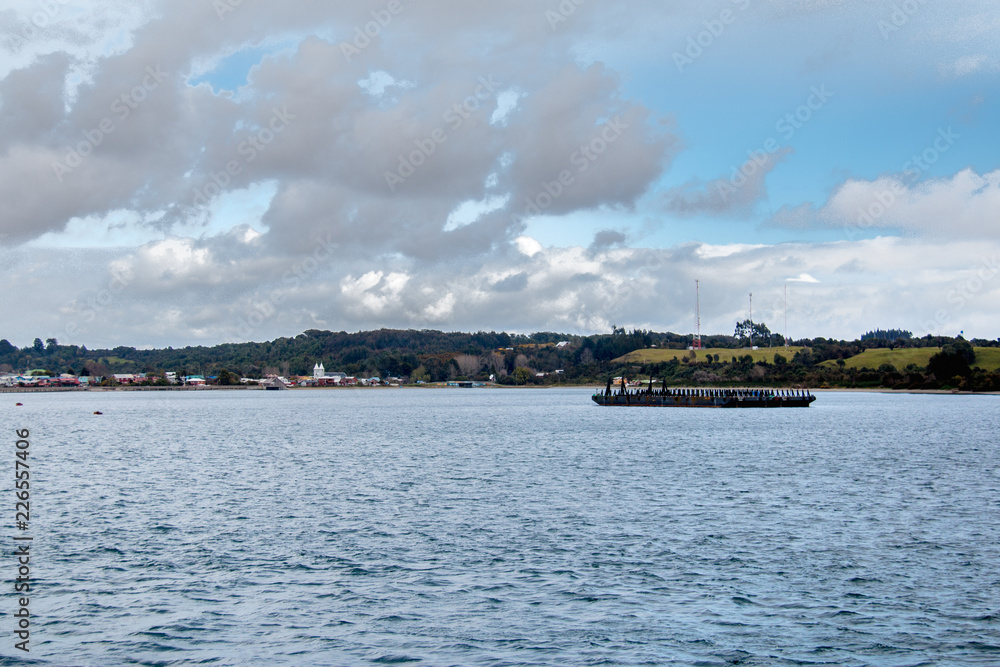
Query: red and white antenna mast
[697,316]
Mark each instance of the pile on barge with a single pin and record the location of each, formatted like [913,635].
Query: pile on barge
[704,398]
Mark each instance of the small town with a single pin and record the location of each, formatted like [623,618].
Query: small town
[320,377]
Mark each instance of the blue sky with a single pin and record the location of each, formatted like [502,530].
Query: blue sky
[621,244]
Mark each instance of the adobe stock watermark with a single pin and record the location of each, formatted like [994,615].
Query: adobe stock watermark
[122,107]
[643,274]
[223,7]
[714,29]
[40,20]
[788,125]
[562,13]
[96,303]
[292,279]
[249,150]
[964,292]
[363,35]
[582,159]
[870,215]
[454,117]
[901,14]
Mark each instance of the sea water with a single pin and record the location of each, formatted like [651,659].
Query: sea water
[504,527]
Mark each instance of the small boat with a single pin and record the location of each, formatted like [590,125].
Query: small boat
[703,398]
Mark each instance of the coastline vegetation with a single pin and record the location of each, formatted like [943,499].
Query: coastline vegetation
[545,358]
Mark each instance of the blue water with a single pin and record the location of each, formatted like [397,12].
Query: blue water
[506,527]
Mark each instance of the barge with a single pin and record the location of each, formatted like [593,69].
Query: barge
[704,398]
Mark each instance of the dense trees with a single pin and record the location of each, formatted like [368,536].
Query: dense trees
[435,356]
[620,343]
[890,335]
[757,332]
[954,360]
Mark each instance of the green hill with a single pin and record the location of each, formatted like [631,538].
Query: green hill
[987,358]
[652,356]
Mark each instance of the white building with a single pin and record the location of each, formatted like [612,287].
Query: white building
[319,373]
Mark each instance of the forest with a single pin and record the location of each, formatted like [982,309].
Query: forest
[541,358]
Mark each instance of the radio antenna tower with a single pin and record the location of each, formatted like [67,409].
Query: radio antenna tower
[697,316]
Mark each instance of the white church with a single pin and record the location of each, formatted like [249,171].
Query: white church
[319,373]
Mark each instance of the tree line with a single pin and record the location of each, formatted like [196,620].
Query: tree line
[539,358]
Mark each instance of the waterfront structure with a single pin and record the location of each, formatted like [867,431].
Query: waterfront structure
[703,398]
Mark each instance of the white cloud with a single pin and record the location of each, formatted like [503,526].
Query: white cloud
[967,65]
[802,278]
[528,246]
[374,293]
[706,251]
[440,310]
[469,212]
[182,291]
[962,206]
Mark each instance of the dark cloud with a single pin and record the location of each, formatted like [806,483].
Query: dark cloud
[607,238]
[137,136]
[735,194]
[803,216]
[32,100]
[514,283]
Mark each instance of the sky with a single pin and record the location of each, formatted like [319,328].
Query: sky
[195,172]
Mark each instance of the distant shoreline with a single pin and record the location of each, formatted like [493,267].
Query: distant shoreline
[873,390]
[884,390]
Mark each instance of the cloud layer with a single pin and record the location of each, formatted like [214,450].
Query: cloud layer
[241,170]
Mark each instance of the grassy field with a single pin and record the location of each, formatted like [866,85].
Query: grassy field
[987,358]
[659,355]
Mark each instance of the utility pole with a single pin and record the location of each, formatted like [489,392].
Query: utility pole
[697,310]
[786,315]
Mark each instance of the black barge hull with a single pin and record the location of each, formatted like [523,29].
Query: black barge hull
[705,398]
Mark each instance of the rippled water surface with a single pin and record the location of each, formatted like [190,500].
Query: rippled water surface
[507,527]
